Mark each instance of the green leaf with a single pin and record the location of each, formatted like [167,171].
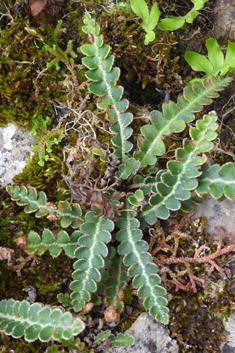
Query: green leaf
[149,37]
[198,62]
[121,339]
[153,17]
[191,16]
[171,24]
[174,117]
[215,55]
[171,187]
[218,181]
[130,166]
[216,60]
[104,84]
[229,58]
[140,8]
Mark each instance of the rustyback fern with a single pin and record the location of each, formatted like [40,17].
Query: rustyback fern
[102,272]
[115,283]
[218,181]
[174,117]
[173,186]
[140,266]
[104,84]
[35,321]
[69,214]
[90,253]
[53,244]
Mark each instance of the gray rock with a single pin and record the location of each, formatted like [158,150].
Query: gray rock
[224,21]
[14,148]
[217,214]
[150,335]
[229,345]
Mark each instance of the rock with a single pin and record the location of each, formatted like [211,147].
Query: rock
[224,21]
[229,345]
[14,148]
[151,336]
[217,214]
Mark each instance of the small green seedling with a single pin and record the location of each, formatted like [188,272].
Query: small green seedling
[175,22]
[150,20]
[216,64]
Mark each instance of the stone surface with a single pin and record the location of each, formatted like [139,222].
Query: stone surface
[217,214]
[14,148]
[229,345]
[150,337]
[224,21]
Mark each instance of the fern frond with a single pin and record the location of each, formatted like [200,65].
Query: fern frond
[171,187]
[119,340]
[90,253]
[116,281]
[35,321]
[47,241]
[69,214]
[104,84]
[218,181]
[141,266]
[175,116]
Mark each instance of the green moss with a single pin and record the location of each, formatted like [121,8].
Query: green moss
[42,177]
[9,344]
[24,93]
[155,62]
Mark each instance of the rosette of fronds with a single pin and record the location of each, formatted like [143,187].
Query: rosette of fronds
[104,85]
[68,214]
[141,267]
[35,321]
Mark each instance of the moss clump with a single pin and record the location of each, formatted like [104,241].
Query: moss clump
[9,345]
[193,325]
[155,62]
[25,90]
[43,177]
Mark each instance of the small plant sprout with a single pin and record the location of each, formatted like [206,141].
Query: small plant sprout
[150,19]
[175,22]
[216,64]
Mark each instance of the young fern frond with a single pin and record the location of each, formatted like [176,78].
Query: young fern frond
[174,117]
[69,214]
[119,340]
[104,84]
[90,253]
[116,281]
[141,266]
[35,321]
